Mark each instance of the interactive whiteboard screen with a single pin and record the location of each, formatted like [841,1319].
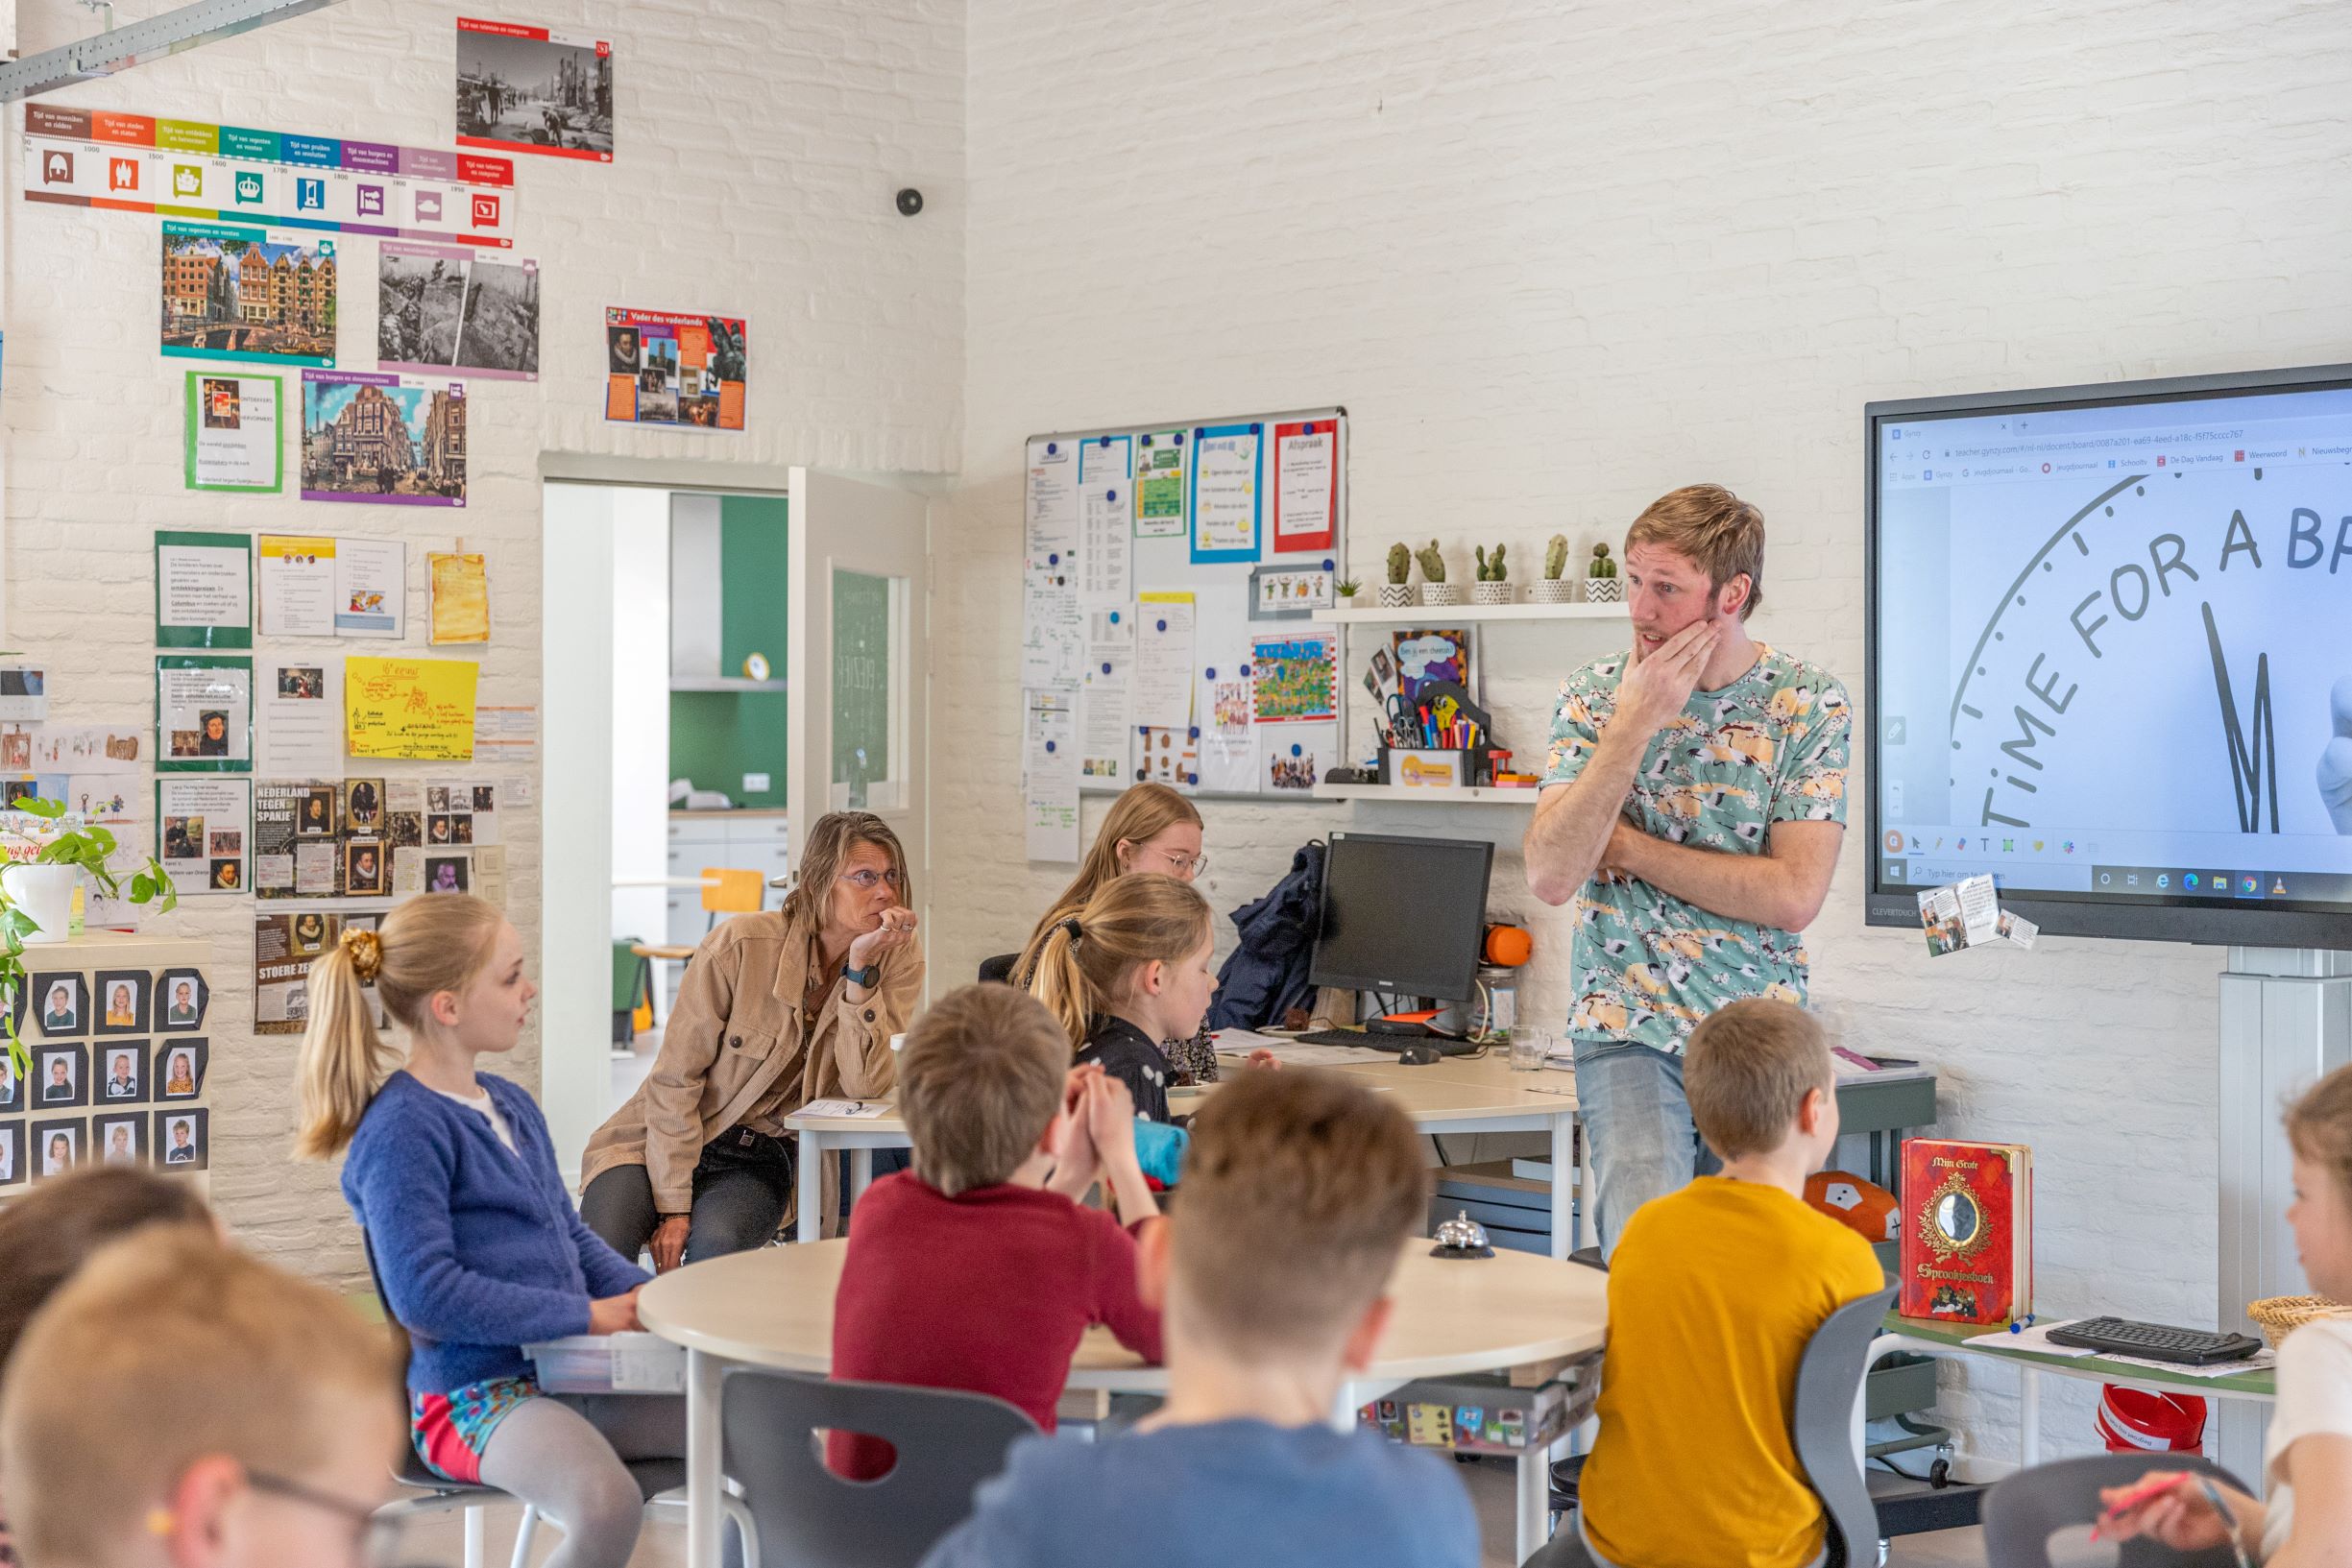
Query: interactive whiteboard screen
[2110,641]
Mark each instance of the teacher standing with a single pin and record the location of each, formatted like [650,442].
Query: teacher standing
[776,1009]
[1692,814]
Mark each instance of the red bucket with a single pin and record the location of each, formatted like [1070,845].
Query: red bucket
[2136,1420]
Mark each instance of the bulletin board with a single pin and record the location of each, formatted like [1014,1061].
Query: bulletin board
[1177,588]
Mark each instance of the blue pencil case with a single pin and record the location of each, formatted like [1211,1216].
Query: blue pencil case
[1159,1149]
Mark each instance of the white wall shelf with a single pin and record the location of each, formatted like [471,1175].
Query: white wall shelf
[1427,795]
[1450,614]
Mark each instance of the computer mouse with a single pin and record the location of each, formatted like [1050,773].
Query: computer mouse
[1418,1055]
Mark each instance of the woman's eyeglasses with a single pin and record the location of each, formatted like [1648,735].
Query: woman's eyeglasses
[866,882]
[1194,864]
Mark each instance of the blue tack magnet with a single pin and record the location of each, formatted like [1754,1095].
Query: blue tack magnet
[1113,495]
[1107,666]
[1114,618]
[1257,429]
[1051,446]
[1192,778]
[1054,560]
[1245,671]
[1163,625]
[1106,443]
[1147,441]
[1178,439]
[1294,748]
[1330,565]
[1143,729]
[1049,746]
[1194,734]
[1212,672]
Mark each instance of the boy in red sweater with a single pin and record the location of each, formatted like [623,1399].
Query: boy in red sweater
[979,1269]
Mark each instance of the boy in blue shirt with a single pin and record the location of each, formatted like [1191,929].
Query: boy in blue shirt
[1300,1189]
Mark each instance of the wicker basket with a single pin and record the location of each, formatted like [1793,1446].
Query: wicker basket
[2282,1314]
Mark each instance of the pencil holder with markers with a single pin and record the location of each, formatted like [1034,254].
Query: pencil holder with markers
[1436,738]
[1436,767]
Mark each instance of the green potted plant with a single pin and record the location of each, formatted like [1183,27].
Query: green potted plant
[1493,585]
[37,897]
[1554,588]
[1396,594]
[1434,588]
[1347,588]
[1601,585]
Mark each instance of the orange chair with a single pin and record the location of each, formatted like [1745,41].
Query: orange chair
[724,892]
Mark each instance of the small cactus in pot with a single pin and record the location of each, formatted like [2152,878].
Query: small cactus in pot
[1434,588]
[1493,585]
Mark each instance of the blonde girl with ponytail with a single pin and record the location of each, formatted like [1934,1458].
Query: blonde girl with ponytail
[1127,969]
[476,1248]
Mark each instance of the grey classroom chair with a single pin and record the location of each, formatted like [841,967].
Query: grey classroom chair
[2025,1510]
[1822,1427]
[948,1442]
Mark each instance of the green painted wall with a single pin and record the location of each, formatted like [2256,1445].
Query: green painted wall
[717,737]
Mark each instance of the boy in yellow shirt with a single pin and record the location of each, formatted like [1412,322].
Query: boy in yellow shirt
[1713,1292]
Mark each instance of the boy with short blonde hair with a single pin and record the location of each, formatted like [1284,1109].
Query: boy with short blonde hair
[978,1270]
[1300,1189]
[177,1397]
[1713,1293]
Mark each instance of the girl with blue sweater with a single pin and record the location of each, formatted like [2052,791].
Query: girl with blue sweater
[475,1240]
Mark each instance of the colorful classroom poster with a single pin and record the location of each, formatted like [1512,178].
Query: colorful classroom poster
[442,308]
[397,439]
[1227,498]
[666,368]
[1049,776]
[1306,484]
[525,89]
[1163,686]
[234,441]
[234,293]
[190,169]
[1159,484]
[204,714]
[1291,593]
[297,842]
[301,718]
[409,708]
[1295,677]
[203,828]
[203,591]
[457,598]
[285,944]
[1431,654]
[316,586]
[1105,475]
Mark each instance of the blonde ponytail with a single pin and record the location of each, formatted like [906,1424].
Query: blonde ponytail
[429,945]
[1080,965]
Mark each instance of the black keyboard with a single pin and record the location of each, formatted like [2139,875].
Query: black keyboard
[2154,1341]
[1390,1043]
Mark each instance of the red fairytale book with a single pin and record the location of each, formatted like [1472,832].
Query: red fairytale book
[1967,1244]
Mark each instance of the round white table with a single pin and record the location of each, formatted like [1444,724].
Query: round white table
[773,1307]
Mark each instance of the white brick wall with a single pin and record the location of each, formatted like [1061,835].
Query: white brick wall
[1556,261]
[759,146]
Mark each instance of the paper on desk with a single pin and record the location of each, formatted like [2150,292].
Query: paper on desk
[1242,1042]
[2035,1339]
[851,1109]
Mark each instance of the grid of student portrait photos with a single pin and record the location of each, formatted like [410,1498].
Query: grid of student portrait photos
[116,1060]
[374,838]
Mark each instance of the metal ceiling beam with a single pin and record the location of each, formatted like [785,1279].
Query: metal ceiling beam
[190,27]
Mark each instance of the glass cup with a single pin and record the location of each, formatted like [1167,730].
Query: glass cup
[1530,1050]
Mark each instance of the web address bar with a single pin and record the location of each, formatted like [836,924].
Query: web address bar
[2103,443]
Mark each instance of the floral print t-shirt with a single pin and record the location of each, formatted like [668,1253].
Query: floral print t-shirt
[1770,747]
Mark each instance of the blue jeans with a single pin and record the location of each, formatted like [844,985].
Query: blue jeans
[1630,1098]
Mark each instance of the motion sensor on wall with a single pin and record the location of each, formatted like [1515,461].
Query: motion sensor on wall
[910,202]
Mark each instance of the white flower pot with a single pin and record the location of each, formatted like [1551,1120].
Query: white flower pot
[1603,591]
[1490,593]
[1441,594]
[45,893]
[1552,590]
[1395,595]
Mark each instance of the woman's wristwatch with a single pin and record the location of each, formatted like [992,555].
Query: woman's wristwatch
[864,977]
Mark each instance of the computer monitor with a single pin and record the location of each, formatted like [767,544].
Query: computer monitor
[1402,915]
